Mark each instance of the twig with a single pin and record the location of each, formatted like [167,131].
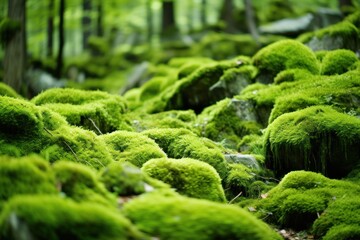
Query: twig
[92,121]
[232,200]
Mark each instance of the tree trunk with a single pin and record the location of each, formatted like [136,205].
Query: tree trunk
[99,20]
[59,60]
[346,6]
[168,18]
[50,29]
[15,50]
[227,16]
[250,20]
[203,15]
[86,22]
[149,19]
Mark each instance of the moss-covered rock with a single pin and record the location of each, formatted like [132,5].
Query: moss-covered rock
[132,147]
[238,180]
[182,143]
[338,62]
[343,232]
[6,90]
[317,139]
[178,217]
[189,177]
[50,217]
[291,75]
[93,110]
[282,55]
[26,175]
[125,179]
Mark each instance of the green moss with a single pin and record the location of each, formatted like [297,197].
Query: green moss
[343,232]
[184,218]
[125,179]
[251,143]
[178,62]
[238,180]
[93,110]
[316,138]
[6,90]
[98,45]
[132,147]
[181,143]
[189,177]
[291,75]
[80,183]
[26,175]
[338,62]
[257,188]
[282,55]
[46,217]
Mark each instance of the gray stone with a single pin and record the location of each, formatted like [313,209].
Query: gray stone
[245,159]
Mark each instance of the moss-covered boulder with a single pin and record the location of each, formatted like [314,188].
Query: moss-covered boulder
[133,147]
[338,62]
[317,139]
[182,143]
[6,90]
[175,217]
[125,179]
[93,110]
[26,175]
[282,55]
[50,217]
[189,177]
[238,181]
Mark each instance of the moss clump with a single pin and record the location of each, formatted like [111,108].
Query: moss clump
[26,175]
[190,177]
[80,183]
[6,90]
[185,218]
[317,139]
[93,110]
[338,62]
[343,232]
[228,121]
[282,55]
[47,217]
[238,180]
[291,75]
[125,179]
[132,147]
[181,143]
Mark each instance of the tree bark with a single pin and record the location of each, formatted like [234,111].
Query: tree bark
[59,60]
[168,18]
[99,20]
[50,29]
[250,20]
[227,16]
[203,15]
[15,50]
[86,22]
[149,19]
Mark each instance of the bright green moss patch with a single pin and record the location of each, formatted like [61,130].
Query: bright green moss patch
[338,62]
[26,175]
[238,180]
[291,75]
[185,218]
[317,139]
[6,90]
[181,143]
[93,110]
[343,232]
[281,55]
[132,147]
[189,177]
[47,217]
[125,179]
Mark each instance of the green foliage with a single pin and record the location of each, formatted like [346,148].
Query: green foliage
[50,217]
[338,62]
[176,217]
[6,90]
[293,140]
[182,143]
[132,147]
[189,177]
[8,28]
[93,110]
[125,179]
[282,55]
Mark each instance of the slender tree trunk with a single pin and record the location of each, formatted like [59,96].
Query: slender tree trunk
[227,16]
[99,20]
[250,20]
[86,22]
[50,29]
[168,18]
[190,16]
[61,39]
[15,50]
[345,6]
[149,19]
[203,15]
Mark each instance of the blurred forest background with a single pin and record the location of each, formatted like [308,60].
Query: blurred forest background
[111,44]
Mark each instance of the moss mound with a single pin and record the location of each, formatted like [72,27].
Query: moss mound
[185,218]
[93,110]
[338,62]
[282,55]
[190,177]
[132,147]
[47,217]
[6,90]
[181,143]
[317,139]
[125,179]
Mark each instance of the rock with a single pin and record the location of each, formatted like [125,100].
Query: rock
[245,159]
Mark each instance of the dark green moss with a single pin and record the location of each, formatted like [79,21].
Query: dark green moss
[178,217]
[338,62]
[189,177]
